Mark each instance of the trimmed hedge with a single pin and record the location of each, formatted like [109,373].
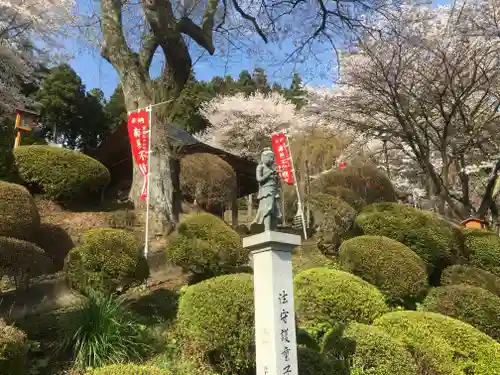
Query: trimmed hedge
[55,242]
[443,345]
[460,274]
[128,369]
[436,240]
[333,219]
[326,298]
[59,173]
[483,249]
[22,261]
[204,245]
[208,179]
[313,363]
[19,216]
[14,347]
[367,181]
[369,350]
[348,196]
[470,304]
[108,260]
[309,256]
[389,265]
[216,320]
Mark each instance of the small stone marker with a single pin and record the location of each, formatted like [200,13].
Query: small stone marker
[275,337]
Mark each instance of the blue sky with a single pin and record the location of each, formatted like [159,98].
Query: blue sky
[318,69]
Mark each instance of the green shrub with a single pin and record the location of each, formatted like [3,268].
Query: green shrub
[333,219]
[216,318]
[19,216]
[326,298]
[460,274]
[389,265]
[443,345]
[348,196]
[22,261]
[313,363]
[483,249]
[55,242]
[128,369]
[367,181]
[470,304]
[204,245]
[105,332]
[369,350]
[435,240]
[59,173]
[122,219]
[14,347]
[309,256]
[109,260]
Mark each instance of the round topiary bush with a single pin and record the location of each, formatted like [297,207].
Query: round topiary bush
[333,219]
[55,242]
[14,347]
[460,274]
[348,196]
[204,245]
[216,320]
[369,350]
[436,240]
[19,216]
[311,362]
[326,298]
[208,179]
[127,369]
[443,345]
[483,249]
[59,173]
[21,261]
[367,181]
[470,304]
[389,265]
[108,260]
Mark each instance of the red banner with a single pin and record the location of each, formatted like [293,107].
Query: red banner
[138,132]
[282,156]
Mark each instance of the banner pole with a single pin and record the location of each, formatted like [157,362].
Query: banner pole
[148,182]
[295,182]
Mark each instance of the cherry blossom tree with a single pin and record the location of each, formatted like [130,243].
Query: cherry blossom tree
[428,81]
[25,25]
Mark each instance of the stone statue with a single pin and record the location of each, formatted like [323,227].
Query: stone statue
[269,212]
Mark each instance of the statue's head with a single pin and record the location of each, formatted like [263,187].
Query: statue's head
[267,157]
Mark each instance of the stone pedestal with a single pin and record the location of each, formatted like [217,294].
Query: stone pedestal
[275,337]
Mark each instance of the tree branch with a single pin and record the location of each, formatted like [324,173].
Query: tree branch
[250,18]
[148,51]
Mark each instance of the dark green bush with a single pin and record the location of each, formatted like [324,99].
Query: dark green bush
[483,249]
[59,173]
[326,298]
[216,319]
[22,261]
[19,216]
[309,256]
[55,242]
[389,265]
[443,345]
[105,332]
[470,304]
[313,363]
[108,260]
[367,350]
[348,196]
[333,219]
[460,274]
[436,240]
[204,245]
[14,347]
[122,219]
[128,369]
[367,181]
